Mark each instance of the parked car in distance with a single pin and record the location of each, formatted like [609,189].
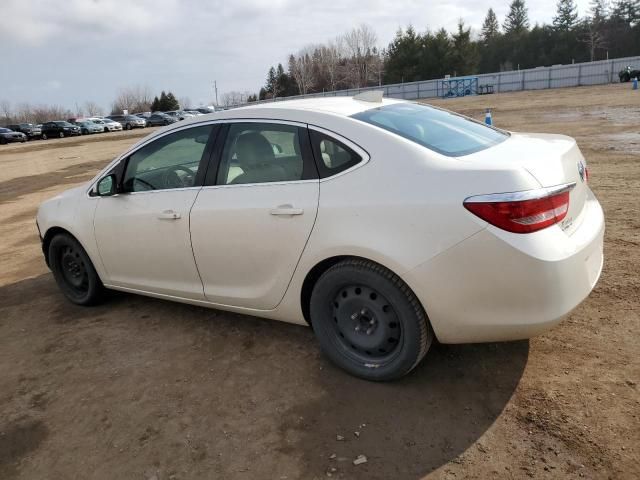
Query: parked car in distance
[10,136]
[100,122]
[629,73]
[144,115]
[195,113]
[205,110]
[60,129]
[29,129]
[179,114]
[88,127]
[384,224]
[112,125]
[159,118]
[128,121]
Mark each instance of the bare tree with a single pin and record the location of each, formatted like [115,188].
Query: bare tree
[133,99]
[329,58]
[185,103]
[362,55]
[93,109]
[5,110]
[234,98]
[301,67]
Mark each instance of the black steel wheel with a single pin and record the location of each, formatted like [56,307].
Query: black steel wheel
[368,321]
[365,324]
[73,271]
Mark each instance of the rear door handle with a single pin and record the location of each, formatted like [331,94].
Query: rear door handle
[286,210]
[168,215]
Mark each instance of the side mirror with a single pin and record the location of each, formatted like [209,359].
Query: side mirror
[106,186]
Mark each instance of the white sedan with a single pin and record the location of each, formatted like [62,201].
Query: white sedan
[109,125]
[381,223]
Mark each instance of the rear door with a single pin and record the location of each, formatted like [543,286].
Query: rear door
[252,219]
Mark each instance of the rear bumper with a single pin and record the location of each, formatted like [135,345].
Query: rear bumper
[498,286]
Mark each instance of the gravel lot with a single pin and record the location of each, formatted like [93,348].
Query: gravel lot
[144,389]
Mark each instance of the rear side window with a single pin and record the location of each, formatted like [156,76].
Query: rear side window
[331,155]
[444,132]
[262,153]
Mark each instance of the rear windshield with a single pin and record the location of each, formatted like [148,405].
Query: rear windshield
[439,130]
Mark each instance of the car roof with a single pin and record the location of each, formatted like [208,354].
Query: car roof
[292,110]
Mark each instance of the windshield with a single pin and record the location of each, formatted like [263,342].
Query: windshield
[439,130]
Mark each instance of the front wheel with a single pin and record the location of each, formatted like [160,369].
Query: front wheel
[73,271]
[61,134]
[43,136]
[368,321]
[128,126]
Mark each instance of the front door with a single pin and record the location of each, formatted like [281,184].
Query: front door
[143,233]
[251,222]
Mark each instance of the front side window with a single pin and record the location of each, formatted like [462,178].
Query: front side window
[261,153]
[172,161]
[444,132]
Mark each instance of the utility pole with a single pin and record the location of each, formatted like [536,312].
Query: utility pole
[215,89]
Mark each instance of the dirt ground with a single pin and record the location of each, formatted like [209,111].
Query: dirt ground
[145,389]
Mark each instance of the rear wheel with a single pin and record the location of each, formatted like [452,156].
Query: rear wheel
[128,126]
[3,141]
[73,271]
[368,321]
[43,136]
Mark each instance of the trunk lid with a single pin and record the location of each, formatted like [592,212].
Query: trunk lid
[552,160]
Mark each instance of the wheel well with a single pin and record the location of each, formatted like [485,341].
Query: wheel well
[52,232]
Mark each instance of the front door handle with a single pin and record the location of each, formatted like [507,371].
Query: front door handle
[286,210]
[168,215]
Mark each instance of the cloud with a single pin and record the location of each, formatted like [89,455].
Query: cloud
[95,47]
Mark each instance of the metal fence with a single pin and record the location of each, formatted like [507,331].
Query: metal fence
[557,76]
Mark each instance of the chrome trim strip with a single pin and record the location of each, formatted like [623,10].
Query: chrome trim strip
[261,184]
[521,195]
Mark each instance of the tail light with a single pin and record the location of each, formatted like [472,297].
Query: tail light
[522,212]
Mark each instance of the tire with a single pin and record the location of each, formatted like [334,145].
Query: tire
[368,321]
[61,134]
[128,127]
[44,136]
[73,271]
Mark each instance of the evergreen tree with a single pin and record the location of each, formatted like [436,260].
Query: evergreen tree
[162,102]
[464,55]
[490,27]
[517,20]
[628,11]
[403,57]
[599,11]
[155,105]
[566,15]
[172,103]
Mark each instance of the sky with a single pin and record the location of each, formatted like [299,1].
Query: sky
[67,52]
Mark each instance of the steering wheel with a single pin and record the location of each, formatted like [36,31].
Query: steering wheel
[171,179]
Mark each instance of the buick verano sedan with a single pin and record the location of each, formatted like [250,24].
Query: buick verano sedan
[382,224]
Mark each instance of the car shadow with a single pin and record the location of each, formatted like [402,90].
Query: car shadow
[261,386]
[412,426]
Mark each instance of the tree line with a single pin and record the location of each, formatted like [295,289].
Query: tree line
[353,60]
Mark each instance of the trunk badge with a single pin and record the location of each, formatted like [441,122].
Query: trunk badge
[581,171]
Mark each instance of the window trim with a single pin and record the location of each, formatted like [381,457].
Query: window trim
[309,168]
